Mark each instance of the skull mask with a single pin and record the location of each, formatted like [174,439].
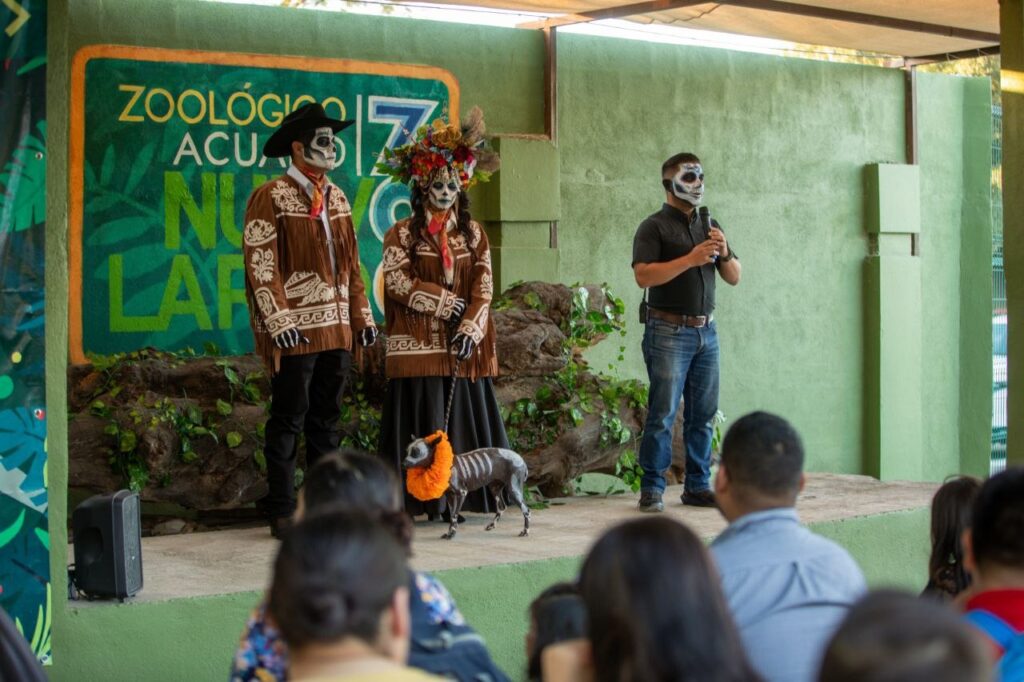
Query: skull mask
[688,183]
[444,188]
[318,149]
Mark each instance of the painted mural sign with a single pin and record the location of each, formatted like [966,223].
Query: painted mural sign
[24,527]
[165,150]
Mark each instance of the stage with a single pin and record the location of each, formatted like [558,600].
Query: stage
[232,561]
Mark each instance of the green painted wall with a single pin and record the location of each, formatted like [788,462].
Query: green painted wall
[784,142]
[956,238]
[892,549]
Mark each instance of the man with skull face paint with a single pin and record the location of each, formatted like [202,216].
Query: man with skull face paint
[676,257]
[306,298]
[438,287]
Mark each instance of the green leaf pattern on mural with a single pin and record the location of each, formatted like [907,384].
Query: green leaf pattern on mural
[23,184]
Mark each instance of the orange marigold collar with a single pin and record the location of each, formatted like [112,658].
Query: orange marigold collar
[429,483]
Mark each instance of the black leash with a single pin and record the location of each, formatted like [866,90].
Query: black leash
[451,394]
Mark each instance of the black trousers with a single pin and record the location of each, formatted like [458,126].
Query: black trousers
[305,396]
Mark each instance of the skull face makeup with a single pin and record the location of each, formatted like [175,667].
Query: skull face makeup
[320,152]
[444,188]
[688,183]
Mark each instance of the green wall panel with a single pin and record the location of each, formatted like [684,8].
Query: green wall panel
[784,143]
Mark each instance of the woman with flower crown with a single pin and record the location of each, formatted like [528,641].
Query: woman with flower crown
[438,287]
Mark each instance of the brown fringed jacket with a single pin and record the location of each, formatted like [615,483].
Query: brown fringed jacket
[417,304]
[290,280]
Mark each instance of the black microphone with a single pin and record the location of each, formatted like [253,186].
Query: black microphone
[705,219]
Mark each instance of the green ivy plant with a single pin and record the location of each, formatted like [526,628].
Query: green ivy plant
[565,398]
[188,420]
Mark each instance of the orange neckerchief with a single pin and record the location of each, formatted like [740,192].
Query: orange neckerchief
[429,483]
[317,200]
[439,223]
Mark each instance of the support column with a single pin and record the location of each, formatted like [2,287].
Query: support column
[1011,24]
[892,311]
[518,207]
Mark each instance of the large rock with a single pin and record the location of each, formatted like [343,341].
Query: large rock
[149,402]
[529,343]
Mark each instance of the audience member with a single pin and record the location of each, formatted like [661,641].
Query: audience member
[655,612]
[994,556]
[340,600]
[951,516]
[892,636]
[442,641]
[788,588]
[556,615]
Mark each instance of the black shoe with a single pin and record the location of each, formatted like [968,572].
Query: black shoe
[702,498]
[279,526]
[650,501]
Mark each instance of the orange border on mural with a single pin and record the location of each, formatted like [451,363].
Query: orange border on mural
[76,157]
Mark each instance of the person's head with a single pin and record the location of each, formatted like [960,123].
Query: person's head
[891,636]
[307,136]
[682,176]
[655,610]
[350,480]
[994,544]
[951,515]
[340,579]
[762,466]
[556,614]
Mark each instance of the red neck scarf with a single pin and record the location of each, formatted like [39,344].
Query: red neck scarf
[439,223]
[317,200]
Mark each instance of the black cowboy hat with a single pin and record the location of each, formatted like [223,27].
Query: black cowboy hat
[307,117]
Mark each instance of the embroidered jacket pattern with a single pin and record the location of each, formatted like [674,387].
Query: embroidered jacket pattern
[418,305]
[291,279]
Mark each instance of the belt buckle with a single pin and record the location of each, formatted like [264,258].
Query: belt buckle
[697,320]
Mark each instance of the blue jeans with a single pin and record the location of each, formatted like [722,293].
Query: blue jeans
[681,361]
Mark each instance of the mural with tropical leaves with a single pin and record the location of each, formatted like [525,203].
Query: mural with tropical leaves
[24,527]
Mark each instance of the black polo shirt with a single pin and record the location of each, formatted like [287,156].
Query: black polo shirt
[667,235]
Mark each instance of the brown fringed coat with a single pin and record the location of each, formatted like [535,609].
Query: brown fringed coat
[417,303]
[289,282]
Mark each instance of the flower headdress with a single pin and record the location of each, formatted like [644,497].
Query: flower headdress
[442,144]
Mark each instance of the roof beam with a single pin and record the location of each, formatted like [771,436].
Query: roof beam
[826,13]
[861,18]
[617,12]
[952,56]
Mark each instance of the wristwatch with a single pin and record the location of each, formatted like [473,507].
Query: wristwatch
[726,259]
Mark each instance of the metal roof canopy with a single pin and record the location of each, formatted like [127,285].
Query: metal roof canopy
[925,30]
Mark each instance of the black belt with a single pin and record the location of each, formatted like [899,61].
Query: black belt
[681,320]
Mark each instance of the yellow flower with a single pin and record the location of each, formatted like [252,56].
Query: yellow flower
[445,135]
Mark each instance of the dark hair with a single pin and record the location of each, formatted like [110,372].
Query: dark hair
[951,515]
[558,614]
[655,610]
[334,576]
[673,161]
[350,480]
[997,522]
[418,220]
[763,456]
[891,636]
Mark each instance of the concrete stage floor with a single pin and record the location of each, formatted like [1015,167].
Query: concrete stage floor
[227,561]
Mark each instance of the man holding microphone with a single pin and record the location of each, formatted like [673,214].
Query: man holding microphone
[676,253]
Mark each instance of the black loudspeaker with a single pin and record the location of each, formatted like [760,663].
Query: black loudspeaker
[108,545]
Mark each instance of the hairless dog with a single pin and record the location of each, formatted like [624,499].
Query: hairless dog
[498,469]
